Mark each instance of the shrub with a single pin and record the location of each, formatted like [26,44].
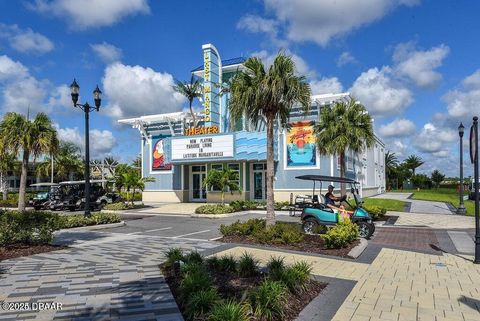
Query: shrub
[294,277]
[79,220]
[341,235]
[173,254]
[247,265]
[239,206]
[375,212]
[268,299]
[8,203]
[193,257]
[29,227]
[116,206]
[227,263]
[192,267]
[275,266]
[229,311]
[201,302]
[214,209]
[213,262]
[281,205]
[194,281]
[285,233]
[243,228]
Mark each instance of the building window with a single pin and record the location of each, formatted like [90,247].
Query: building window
[259,167]
[236,168]
[198,168]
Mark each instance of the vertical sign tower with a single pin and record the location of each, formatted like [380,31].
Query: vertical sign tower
[211,85]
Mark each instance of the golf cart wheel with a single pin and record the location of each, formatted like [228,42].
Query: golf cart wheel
[71,208]
[309,225]
[102,205]
[365,230]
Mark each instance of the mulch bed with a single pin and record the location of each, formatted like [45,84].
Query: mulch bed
[310,244]
[17,250]
[232,286]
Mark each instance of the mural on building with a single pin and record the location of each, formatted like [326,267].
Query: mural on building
[300,143]
[159,155]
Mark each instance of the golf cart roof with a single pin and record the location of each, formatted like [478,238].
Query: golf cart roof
[92,181]
[327,179]
[43,184]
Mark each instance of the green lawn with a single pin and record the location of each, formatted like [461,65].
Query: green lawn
[449,195]
[390,205]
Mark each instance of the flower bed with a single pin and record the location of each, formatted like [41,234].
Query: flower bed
[21,249]
[337,241]
[120,206]
[238,206]
[79,220]
[224,288]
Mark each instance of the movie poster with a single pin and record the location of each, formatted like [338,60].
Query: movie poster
[300,145]
[160,156]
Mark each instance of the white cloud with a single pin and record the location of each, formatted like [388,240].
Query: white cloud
[91,13]
[11,70]
[433,139]
[300,64]
[419,65]
[106,52]
[320,21]
[136,90]
[25,40]
[345,58]
[101,141]
[380,93]
[256,24]
[326,86]
[398,128]
[463,102]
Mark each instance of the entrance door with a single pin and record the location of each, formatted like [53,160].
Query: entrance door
[199,193]
[259,181]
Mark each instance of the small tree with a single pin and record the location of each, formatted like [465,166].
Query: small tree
[130,179]
[437,177]
[190,90]
[7,163]
[413,162]
[224,180]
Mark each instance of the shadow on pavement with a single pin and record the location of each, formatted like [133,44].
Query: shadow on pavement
[72,237]
[471,302]
[436,248]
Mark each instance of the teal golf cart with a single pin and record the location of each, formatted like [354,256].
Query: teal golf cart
[315,212]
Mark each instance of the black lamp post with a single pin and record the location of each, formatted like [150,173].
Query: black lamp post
[461,208]
[97,97]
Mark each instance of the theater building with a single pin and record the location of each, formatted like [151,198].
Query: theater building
[179,155]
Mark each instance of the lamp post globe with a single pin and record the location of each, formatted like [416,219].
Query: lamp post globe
[97,97]
[461,207]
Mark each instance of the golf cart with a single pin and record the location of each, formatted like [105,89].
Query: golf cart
[73,195]
[43,196]
[315,212]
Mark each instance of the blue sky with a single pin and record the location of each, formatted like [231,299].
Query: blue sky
[413,63]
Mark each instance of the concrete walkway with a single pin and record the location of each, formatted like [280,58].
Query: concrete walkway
[418,206]
[435,221]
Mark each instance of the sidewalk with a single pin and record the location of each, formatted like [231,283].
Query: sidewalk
[418,206]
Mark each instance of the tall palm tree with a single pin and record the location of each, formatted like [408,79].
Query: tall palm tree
[20,135]
[391,162]
[224,180]
[191,90]
[268,95]
[346,125]
[7,163]
[67,163]
[413,162]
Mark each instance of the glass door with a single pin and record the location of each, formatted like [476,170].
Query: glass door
[199,192]
[259,182]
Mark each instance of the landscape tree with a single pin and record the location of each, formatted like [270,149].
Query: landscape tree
[224,180]
[267,95]
[391,162]
[190,90]
[344,126]
[437,177]
[24,137]
[7,163]
[413,162]
[129,179]
[67,163]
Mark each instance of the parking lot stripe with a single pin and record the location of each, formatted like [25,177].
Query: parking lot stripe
[158,229]
[178,236]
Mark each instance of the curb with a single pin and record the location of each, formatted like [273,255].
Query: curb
[93,227]
[357,250]
[262,212]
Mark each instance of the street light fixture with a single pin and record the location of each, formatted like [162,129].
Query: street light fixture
[97,97]
[461,208]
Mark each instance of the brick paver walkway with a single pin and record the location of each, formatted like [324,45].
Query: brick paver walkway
[436,221]
[407,238]
[112,278]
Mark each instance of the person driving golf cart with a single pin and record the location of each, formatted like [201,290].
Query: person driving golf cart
[330,199]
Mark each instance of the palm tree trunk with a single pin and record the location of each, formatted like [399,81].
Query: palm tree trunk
[270,173]
[223,196]
[23,182]
[193,115]
[342,172]
[4,184]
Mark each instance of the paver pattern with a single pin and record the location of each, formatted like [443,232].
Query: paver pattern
[407,238]
[436,221]
[112,278]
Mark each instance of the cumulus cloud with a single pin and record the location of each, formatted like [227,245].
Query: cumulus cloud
[25,40]
[300,64]
[463,101]
[11,70]
[378,91]
[320,21]
[345,58]
[256,24]
[420,66]
[326,86]
[101,141]
[433,139]
[108,53]
[90,13]
[400,127]
[135,90]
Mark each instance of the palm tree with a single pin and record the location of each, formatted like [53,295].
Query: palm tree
[346,125]
[22,136]
[137,163]
[191,90]
[223,181]
[129,179]
[67,163]
[437,177]
[413,162]
[391,162]
[268,96]
[7,163]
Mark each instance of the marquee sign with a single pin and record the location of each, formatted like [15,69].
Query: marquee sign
[202,147]
[201,131]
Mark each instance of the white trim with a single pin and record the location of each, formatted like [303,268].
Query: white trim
[142,155]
